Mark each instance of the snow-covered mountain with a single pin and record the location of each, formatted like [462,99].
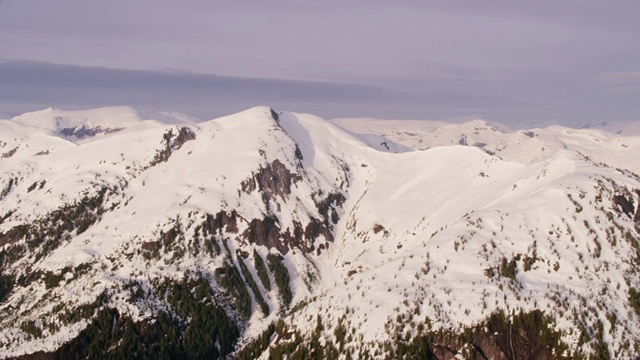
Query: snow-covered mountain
[614,144]
[269,234]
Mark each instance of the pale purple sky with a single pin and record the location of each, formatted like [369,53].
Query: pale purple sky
[511,61]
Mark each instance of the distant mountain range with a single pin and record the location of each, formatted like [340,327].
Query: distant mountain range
[268,234]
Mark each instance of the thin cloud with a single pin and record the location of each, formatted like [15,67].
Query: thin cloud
[30,85]
[304,3]
[620,78]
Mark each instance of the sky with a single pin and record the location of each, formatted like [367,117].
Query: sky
[513,61]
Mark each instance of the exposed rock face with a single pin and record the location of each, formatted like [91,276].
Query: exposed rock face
[222,222]
[625,204]
[170,144]
[184,134]
[267,232]
[273,180]
[315,228]
[275,116]
[463,140]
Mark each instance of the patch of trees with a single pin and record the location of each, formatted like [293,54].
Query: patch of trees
[289,344]
[195,328]
[255,348]
[6,284]
[253,286]
[282,278]
[523,335]
[634,299]
[229,278]
[509,268]
[261,269]
[47,233]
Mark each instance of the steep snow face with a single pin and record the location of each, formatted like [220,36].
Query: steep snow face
[288,216]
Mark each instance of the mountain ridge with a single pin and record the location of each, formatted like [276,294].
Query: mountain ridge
[288,227]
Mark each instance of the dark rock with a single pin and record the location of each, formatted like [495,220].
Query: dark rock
[625,204]
[184,134]
[274,115]
[265,232]
[222,222]
[10,153]
[377,228]
[169,237]
[152,246]
[315,228]
[170,144]
[463,140]
[273,180]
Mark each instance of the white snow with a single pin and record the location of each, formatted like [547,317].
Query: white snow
[424,222]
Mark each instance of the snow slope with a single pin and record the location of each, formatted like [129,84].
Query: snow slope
[379,239]
[526,146]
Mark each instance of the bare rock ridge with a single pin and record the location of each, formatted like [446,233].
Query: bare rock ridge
[273,180]
[172,142]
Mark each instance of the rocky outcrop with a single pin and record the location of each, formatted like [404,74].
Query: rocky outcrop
[10,153]
[184,134]
[625,204]
[222,222]
[172,142]
[274,180]
[268,232]
[265,232]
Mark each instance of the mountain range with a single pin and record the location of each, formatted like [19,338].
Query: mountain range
[268,234]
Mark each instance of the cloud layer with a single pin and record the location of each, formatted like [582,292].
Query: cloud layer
[524,60]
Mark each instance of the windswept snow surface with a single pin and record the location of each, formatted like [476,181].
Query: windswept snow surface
[428,221]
